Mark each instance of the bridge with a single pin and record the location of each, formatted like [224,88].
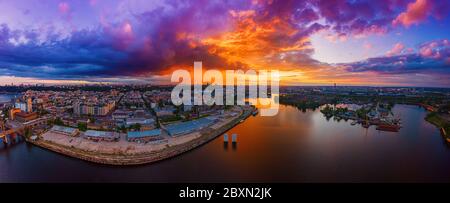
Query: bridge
[16,128]
[4,135]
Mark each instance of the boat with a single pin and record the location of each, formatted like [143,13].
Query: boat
[353,123]
[388,127]
[241,121]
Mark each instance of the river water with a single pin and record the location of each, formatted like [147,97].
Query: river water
[293,146]
[7,97]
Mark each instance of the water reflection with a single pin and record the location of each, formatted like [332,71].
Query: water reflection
[225,146]
[290,147]
[234,146]
[12,140]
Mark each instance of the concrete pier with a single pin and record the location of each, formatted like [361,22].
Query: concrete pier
[225,138]
[234,137]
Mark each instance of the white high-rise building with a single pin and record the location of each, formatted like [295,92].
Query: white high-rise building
[21,105]
[24,106]
[29,105]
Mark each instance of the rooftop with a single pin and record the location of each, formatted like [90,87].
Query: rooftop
[189,126]
[63,129]
[95,133]
[147,133]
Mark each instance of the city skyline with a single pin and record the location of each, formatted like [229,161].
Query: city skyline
[382,43]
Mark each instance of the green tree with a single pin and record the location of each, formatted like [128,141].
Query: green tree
[82,126]
[58,121]
[28,132]
[6,112]
[362,113]
[136,127]
[123,129]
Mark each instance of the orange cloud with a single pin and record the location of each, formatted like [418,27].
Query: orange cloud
[260,44]
[397,49]
[276,44]
[415,13]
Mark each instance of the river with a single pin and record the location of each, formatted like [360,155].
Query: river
[7,97]
[293,146]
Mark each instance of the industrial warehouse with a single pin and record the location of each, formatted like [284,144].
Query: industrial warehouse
[101,135]
[190,126]
[144,136]
[146,142]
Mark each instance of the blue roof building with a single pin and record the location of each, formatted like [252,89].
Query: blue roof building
[65,130]
[189,126]
[101,135]
[144,136]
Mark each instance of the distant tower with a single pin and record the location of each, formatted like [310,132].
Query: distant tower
[29,105]
[76,108]
[2,126]
[12,113]
[334,85]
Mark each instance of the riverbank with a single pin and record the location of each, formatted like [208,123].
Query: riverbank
[154,152]
[442,123]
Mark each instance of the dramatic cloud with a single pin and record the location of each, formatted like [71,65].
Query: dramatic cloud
[419,10]
[116,49]
[437,49]
[123,39]
[432,58]
[415,13]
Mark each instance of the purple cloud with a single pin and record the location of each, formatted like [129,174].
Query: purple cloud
[432,57]
[121,38]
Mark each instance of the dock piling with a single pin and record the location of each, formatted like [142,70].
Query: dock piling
[234,138]
[225,138]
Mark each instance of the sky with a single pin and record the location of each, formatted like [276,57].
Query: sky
[311,42]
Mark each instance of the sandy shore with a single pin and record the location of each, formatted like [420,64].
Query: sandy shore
[130,153]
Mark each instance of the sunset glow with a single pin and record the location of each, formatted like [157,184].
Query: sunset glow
[386,43]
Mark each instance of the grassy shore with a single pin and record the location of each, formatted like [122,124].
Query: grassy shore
[439,122]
